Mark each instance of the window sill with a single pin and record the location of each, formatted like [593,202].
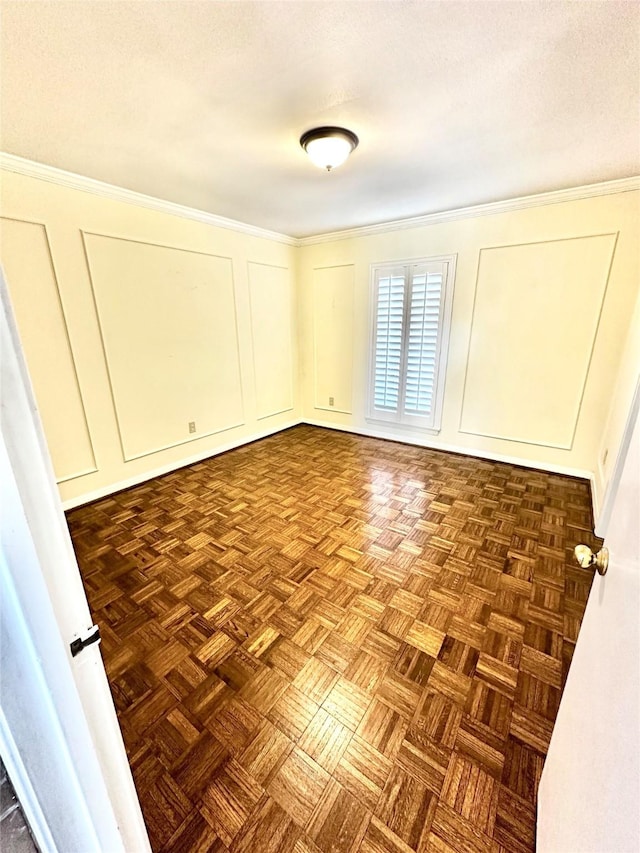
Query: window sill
[403,427]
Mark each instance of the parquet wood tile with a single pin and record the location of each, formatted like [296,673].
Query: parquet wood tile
[452,832]
[298,785]
[366,671]
[293,712]
[269,828]
[472,793]
[363,771]
[437,718]
[195,835]
[339,821]
[347,703]
[483,745]
[380,839]
[229,799]
[383,728]
[325,739]
[423,759]
[324,643]
[407,807]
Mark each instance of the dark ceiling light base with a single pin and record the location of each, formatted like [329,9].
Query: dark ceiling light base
[329,147]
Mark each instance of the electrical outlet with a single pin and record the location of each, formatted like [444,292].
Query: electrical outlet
[331,401]
[192,426]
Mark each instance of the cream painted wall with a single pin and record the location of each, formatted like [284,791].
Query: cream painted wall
[332,338]
[533,300]
[135,322]
[45,335]
[576,351]
[273,329]
[178,365]
[627,384]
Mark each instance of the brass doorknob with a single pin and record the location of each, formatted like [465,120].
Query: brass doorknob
[586,558]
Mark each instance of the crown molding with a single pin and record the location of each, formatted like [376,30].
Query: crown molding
[32,169]
[621,185]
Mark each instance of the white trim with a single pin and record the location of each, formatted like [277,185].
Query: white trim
[292,329]
[569,446]
[27,798]
[32,169]
[77,476]
[396,425]
[550,467]
[126,457]
[603,517]
[273,414]
[333,409]
[137,479]
[400,417]
[78,758]
[595,501]
[621,185]
[67,340]
[314,295]
[516,440]
[188,440]
[22,166]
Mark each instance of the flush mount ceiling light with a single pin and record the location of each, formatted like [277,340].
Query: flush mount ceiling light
[328,147]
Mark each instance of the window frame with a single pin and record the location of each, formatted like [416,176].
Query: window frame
[430,423]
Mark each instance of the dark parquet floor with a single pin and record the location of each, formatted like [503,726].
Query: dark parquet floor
[323,642]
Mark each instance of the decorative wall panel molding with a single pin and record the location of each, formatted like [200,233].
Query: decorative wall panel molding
[167,319]
[536,313]
[333,301]
[271,299]
[27,259]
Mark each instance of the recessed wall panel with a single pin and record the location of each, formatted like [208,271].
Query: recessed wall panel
[536,313]
[272,333]
[168,323]
[33,288]
[333,337]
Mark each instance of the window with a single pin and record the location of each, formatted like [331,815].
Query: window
[410,329]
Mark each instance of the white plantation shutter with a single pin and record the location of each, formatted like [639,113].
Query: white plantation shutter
[411,313]
[388,345]
[422,344]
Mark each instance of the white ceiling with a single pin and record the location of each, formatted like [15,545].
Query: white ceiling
[202,102]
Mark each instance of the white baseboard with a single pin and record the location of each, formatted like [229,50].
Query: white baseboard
[105,491]
[455,448]
[137,479]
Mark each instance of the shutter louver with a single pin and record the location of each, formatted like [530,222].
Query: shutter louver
[422,343]
[411,318]
[388,342]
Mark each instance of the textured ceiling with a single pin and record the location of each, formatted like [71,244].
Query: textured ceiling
[203,103]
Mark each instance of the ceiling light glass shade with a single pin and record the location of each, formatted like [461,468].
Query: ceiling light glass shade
[328,147]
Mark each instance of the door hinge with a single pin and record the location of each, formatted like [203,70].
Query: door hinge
[91,636]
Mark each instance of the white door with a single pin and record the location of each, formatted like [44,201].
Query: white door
[589,797]
[59,734]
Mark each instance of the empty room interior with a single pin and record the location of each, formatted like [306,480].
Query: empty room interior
[330,318]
